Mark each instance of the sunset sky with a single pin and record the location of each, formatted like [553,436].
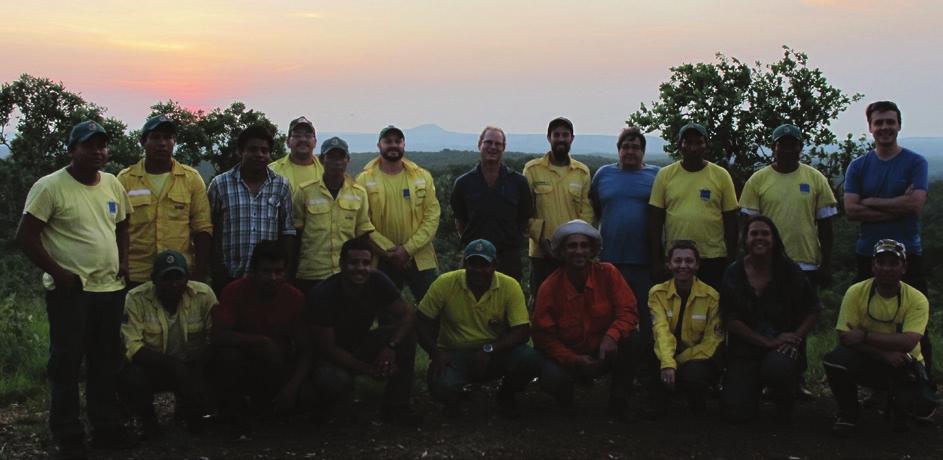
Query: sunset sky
[358,65]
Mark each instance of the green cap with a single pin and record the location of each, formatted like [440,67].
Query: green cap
[156,122]
[85,131]
[691,125]
[391,129]
[299,122]
[787,130]
[481,248]
[335,143]
[891,246]
[169,261]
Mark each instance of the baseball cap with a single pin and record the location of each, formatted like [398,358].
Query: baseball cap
[891,246]
[481,248]
[689,126]
[390,129]
[168,261]
[334,143]
[787,130]
[155,122]
[85,131]
[300,121]
[559,121]
[574,227]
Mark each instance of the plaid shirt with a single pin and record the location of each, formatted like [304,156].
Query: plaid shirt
[241,220]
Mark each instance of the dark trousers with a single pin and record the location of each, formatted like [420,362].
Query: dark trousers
[417,280]
[712,271]
[240,372]
[305,286]
[540,269]
[916,276]
[846,368]
[747,375]
[639,279]
[509,263]
[334,384]
[559,381]
[692,379]
[83,325]
[139,383]
[517,366]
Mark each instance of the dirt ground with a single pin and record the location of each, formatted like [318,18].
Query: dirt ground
[541,432]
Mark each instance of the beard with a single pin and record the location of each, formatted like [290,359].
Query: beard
[392,154]
[560,150]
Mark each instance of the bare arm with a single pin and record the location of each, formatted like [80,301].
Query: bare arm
[323,338]
[857,211]
[28,239]
[740,329]
[908,204]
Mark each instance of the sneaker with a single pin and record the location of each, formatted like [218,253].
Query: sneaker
[114,439]
[402,415]
[843,427]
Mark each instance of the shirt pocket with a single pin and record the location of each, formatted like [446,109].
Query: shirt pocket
[270,211]
[575,192]
[697,322]
[152,335]
[349,209]
[419,196]
[178,206]
[143,211]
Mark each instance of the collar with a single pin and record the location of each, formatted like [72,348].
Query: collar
[374,165]
[237,175]
[494,282]
[137,169]
[570,289]
[697,289]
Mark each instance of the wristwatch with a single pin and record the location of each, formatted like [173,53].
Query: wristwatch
[487,348]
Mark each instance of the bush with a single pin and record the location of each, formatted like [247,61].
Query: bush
[23,335]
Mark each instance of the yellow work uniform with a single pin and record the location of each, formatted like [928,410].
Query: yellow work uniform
[80,219]
[561,194]
[700,331]
[407,216]
[146,323]
[164,218]
[794,201]
[297,174]
[325,224]
[908,311]
[466,322]
[694,203]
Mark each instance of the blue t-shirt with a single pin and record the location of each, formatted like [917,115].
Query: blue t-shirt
[623,197]
[869,176]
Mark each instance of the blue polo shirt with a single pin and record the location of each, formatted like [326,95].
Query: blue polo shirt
[623,196]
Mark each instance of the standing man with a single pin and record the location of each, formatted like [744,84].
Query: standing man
[885,190]
[584,316]
[75,228]
[166,335]
[300,165]
[880,325]
[694,199]
[619,194]
[405,211]
[342,311]
[560,186]
[474,325]
[248,203]
[172,211]
[800,202]
[494,203]
[327,213]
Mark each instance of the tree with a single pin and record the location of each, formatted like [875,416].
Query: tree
[740,105]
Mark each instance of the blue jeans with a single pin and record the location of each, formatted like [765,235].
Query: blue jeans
[83,325]
[518,366]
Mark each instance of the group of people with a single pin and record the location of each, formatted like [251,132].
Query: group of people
[308,265]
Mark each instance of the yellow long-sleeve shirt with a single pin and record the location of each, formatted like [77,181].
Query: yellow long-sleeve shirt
[146,322]
[561,194]
[701,331]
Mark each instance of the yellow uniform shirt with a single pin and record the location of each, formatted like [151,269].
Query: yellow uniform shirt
[405,216]
[875,313]
[80,221]
[325,224]
[297,174]
[794,201]
[700,331]
[466,322]
[561,194]
[694,203]
[146,322]
[166,219]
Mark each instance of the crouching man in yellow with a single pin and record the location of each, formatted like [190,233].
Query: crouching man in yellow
[687,332]
[166,333]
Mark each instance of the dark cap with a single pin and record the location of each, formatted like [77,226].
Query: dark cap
[481,248]
[689,126]
[300,121]
[559,121]
[391,129]
[335,143]
[85,131]
[169,261]
[784,130]
[156,122]
[891,246]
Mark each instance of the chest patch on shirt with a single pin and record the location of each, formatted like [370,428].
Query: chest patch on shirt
[112,208]
[705,194]
[805,188]
[406,193]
